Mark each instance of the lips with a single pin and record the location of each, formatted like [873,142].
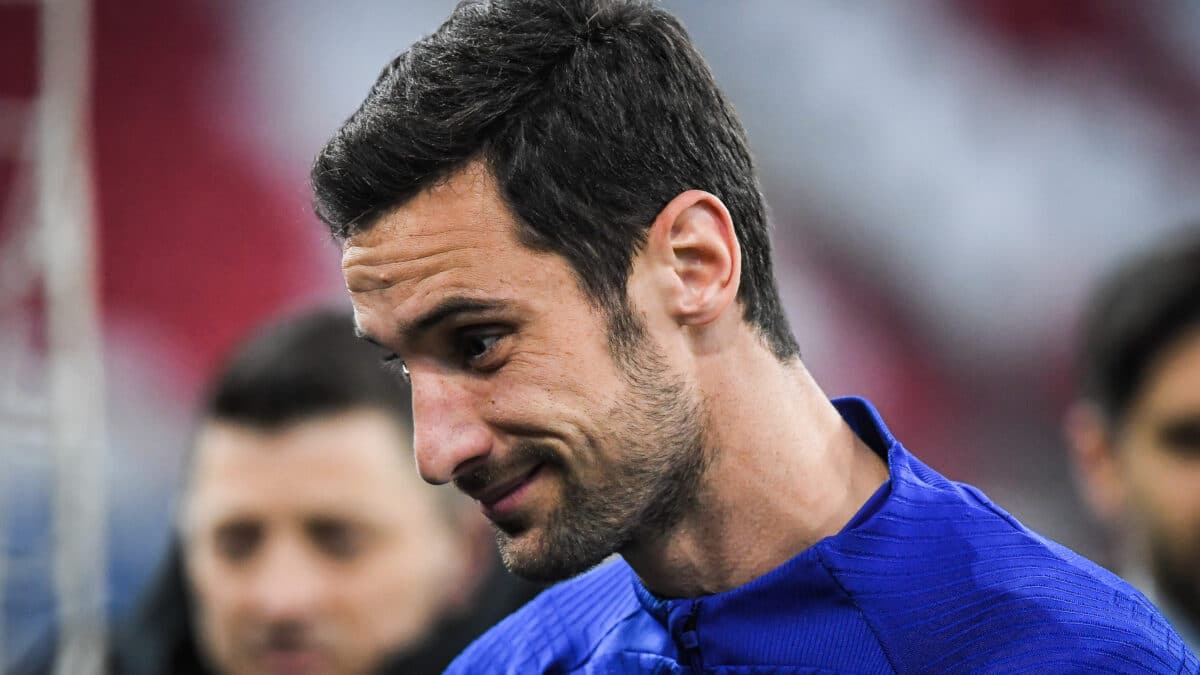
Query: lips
[295,661]
[497,491]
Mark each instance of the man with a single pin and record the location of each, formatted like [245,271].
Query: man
[1135,430]
[550,216]
[306,543]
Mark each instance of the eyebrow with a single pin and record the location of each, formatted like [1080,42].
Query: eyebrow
[446,309]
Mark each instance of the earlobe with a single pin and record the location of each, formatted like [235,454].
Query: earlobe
[702,254]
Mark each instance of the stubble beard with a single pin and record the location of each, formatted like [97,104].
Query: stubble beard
[657,431]
[1177,573]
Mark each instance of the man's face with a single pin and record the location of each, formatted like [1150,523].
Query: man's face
[312,549]
[1159,450]
[517,397]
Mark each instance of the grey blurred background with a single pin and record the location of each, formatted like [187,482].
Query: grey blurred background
[947,178]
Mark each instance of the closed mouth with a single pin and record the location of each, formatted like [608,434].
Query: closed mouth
[498,491]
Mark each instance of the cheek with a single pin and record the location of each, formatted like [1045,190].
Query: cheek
[220,615]
[1167,490]
[397,594]
[216,586]
[561,393]
[1183,498]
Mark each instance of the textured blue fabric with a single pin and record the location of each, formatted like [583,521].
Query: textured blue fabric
[928,577]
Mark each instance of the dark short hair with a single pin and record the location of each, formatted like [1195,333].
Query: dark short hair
[590,114]
[303,367]
[1139,311]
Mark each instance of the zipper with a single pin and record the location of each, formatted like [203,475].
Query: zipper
[691,641]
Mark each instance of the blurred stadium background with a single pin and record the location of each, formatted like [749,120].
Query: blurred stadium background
[947,177]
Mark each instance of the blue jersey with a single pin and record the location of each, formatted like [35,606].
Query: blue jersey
[929,577]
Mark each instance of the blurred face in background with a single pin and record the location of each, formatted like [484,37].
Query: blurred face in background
[313,548]
[1159,453]
[1144,474]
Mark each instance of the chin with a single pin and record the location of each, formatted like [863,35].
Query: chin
[529,556]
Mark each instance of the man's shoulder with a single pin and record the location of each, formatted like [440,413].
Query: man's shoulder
[560,628]
[948,580]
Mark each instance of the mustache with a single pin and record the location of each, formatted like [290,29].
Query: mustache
[289,635]
[524,454]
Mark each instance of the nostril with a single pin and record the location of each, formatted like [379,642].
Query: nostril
[448,451]
[429,476]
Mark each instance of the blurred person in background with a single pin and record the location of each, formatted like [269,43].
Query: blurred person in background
[1134,432]
[306,543]
[550,215]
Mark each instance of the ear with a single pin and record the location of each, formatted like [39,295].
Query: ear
[1093,454]
[698,261]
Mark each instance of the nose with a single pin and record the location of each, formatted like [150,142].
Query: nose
[288,584]
[447,430]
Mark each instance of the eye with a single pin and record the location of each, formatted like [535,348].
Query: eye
[1181,437]
[476,346]
[238,541]
[394,364]
[335,538]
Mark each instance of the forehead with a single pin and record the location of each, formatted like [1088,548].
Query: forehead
[441,228]
[352,463]
[457,239]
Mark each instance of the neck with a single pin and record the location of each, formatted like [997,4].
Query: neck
[787,471]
